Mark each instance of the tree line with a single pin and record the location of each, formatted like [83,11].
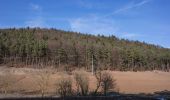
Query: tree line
[76,50]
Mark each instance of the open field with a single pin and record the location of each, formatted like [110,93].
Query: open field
[142,82]
[127,82]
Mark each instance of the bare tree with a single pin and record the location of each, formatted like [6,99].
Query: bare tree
[64,86]
[82,82]
[107,82]
[43,78]
[98,76]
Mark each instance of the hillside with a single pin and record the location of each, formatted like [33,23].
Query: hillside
[62,49]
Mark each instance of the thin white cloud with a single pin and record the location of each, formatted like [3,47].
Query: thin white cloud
[132,5]
[105,24]
[36,19]
[93,25]
[84,4]
[35,7]
[90,5]
[36,22]
[99,25]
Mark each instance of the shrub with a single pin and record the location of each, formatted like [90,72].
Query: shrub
[98,76]
[82,82]
[43,78]
[107,82]
[64,86]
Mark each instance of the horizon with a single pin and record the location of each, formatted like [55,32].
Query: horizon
[139,20]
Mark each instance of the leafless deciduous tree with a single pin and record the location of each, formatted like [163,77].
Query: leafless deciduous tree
[98,76]
[64,86]
[107,82]
[43,78]
[82,82]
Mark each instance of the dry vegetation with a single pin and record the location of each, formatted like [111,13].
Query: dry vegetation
[8,81]
[43,78]
[107,81]
[82,82]
[64,86]
[46,82]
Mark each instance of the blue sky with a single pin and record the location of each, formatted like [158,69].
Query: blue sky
[143,20]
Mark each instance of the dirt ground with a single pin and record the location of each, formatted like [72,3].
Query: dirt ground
[127,82]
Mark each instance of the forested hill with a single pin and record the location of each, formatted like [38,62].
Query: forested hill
[76,50]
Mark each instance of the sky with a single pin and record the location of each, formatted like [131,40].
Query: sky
[142,20]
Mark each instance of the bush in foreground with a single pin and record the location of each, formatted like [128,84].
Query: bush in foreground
[82,82]
[107,82]
[64,86]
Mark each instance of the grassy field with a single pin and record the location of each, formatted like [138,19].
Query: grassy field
[127,82]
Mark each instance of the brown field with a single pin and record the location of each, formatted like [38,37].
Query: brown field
[142,82]
[127,82]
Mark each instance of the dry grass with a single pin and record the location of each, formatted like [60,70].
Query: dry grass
[127,82]
[9,83]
